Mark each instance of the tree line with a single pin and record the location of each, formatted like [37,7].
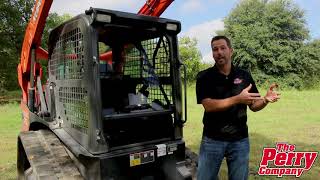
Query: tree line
[14,17]
[270,38]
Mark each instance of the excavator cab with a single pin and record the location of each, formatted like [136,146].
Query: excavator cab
[114,96]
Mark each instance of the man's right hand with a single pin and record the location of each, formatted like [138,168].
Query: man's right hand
[248,98]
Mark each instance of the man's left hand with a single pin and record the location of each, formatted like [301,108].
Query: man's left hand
[272,95]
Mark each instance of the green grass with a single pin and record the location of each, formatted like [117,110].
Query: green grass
[10,122]
[294,119]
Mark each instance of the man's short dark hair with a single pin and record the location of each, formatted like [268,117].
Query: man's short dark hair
[215,38]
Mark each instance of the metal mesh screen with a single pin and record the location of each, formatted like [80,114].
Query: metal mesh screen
[75,104]
[67,60]
[152,70]
[67,63]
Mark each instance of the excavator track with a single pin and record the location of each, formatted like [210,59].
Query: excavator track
[47,157]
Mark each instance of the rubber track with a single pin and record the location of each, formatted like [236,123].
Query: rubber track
[47,156]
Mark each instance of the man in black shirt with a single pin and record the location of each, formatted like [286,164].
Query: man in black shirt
[225,92]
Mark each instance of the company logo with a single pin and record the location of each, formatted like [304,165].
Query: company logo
[237,81]
[283,160]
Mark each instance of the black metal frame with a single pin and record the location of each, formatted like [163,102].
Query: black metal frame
[76,98]
[147,72]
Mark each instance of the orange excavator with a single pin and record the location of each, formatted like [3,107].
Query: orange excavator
[111,106]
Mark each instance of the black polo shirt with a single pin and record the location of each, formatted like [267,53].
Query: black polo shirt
[229,125]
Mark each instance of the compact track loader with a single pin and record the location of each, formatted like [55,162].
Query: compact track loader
[112,105]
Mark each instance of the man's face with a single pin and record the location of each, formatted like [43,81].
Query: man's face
[221,52]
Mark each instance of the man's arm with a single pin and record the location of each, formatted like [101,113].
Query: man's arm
[215,105]
[258,105]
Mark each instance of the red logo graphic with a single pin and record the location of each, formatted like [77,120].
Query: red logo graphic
[237,81]
[284,161]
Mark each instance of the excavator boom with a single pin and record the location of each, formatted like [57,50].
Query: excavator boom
[34,31]
[155,7]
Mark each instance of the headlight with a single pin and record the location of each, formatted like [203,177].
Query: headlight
[172,27]
[103,18]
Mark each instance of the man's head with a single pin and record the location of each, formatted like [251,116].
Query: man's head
[221,50]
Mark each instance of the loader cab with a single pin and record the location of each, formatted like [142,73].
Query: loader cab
[116,80]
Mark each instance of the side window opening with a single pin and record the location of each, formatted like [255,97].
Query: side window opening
[105,62]
[137,78]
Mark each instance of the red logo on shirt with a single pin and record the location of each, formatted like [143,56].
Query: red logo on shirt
[237,81]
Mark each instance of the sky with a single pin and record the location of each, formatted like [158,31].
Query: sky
[200,19]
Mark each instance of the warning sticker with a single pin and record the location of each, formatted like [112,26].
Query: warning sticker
[162,150]
[141,158]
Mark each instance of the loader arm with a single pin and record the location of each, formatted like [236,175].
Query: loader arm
[154,7]
[32,40]
[28,69]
